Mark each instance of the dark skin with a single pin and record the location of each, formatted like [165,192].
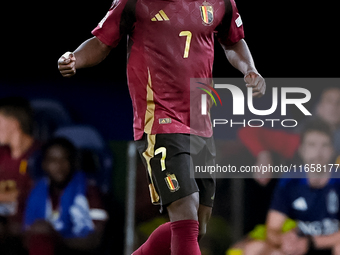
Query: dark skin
[93,51]
[58,167]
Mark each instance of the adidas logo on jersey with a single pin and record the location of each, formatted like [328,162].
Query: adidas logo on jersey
[160,16]
[300,204]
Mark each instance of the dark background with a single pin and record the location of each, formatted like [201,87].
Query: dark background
[286,38]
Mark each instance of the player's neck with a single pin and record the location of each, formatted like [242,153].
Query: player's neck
[318,183]
[19,144]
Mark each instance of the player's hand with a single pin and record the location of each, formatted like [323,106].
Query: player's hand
[293,244]
[66,64]
[255,81]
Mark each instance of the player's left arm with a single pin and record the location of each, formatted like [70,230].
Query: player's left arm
[230,34]
[239,56]
[327,241]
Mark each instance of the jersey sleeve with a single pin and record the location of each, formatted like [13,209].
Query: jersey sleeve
[280,200]
[117,22]
[230,30]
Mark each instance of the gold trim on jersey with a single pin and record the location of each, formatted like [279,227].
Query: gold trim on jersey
[150,107]
[160,16]
[148,155]
[148,123]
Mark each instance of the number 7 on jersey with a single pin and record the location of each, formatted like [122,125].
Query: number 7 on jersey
[187,42]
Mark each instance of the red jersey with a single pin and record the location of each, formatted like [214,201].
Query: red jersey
[170,42]
[15,182]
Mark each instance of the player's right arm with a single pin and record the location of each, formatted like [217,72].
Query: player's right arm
[275,221]
[89,53]
[117,22]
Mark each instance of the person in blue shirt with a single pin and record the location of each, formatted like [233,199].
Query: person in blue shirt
[311,198]
[64,212]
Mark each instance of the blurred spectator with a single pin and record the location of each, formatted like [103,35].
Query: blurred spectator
[273,146]
[328,109]
[16,146]
[64,211]
[261,142]
[311,200]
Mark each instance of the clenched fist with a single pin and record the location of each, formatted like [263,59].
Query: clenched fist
[255,81]
[66,64]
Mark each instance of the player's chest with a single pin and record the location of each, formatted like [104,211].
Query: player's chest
[309,205]
[167,16]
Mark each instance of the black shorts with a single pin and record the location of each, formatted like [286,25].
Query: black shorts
[169,159]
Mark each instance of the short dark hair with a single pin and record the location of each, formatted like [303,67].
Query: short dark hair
[20,109]
[317,125]
[64,143]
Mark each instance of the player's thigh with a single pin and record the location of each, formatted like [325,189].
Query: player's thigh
[205,181]
[167,159]
[185,208]
[204,214]
[171,167]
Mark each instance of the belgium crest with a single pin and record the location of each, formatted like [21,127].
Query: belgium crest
[207,13]
[172,182]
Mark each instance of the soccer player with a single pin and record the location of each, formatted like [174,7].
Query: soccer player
[170,42]
[312,201]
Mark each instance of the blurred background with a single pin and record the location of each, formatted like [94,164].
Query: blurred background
[287,39]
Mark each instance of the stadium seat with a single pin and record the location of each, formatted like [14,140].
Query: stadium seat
[48,116]
[95,157]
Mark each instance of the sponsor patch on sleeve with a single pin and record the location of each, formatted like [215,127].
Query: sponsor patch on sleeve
[238,21]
